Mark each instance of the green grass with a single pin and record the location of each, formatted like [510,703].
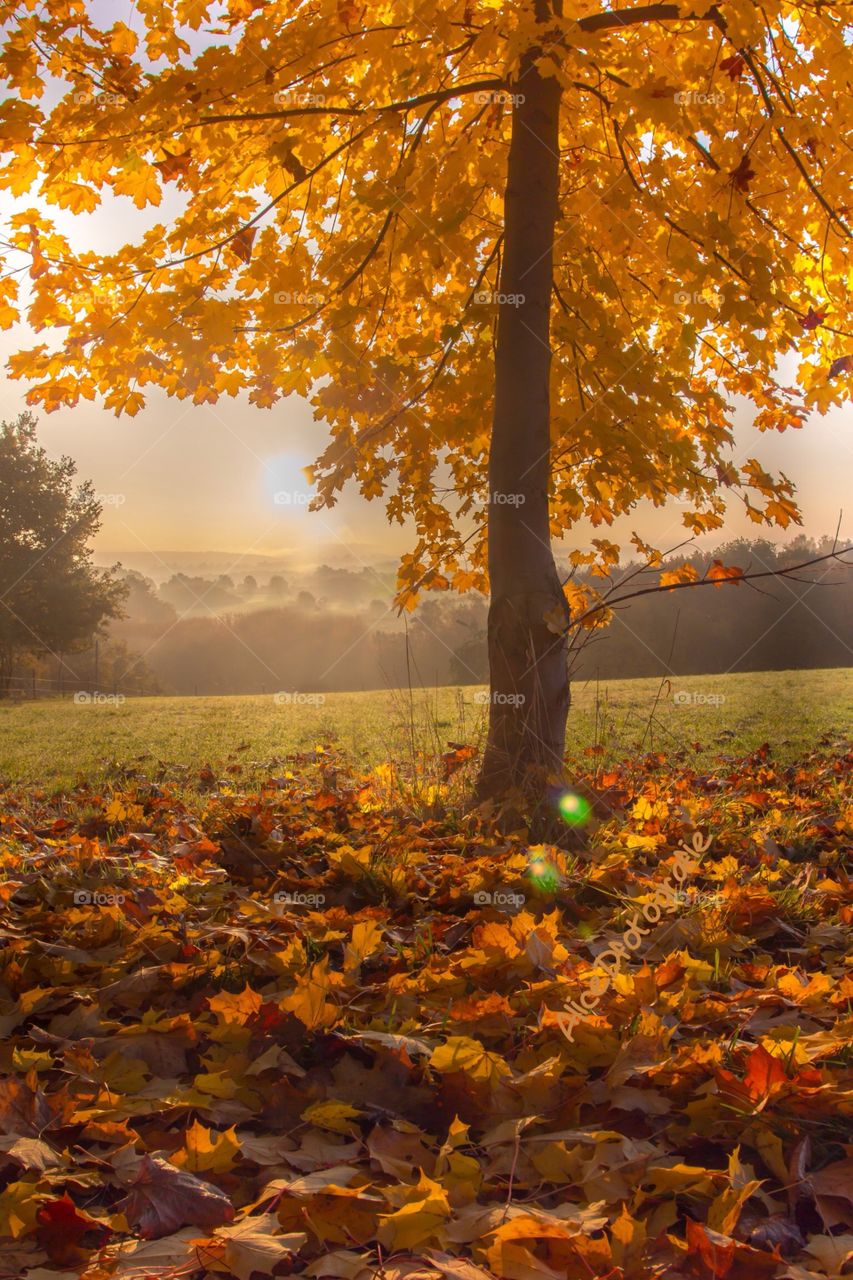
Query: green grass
[57,743]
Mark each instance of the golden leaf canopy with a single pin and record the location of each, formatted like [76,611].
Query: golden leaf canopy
[327,181]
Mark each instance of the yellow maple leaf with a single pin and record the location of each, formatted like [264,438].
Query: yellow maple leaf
[122,39]
[461,1053]
[337,1117]
[627,1238]
[206,1150]
[366,938]
[419,1220]
[19,1205]
[308,1002]
[235,1007]
[217,1084]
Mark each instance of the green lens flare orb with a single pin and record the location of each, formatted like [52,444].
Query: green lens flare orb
[574,809]
[542,875]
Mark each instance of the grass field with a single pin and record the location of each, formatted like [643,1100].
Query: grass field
[58,743]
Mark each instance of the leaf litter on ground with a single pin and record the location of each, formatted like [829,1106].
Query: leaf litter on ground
[310,1029]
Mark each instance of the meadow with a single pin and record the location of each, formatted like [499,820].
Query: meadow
[57,743]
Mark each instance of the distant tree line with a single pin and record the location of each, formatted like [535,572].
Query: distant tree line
[65,624]
[314,641]
[775,624]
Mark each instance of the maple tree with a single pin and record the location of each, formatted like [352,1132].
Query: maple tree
[593,225]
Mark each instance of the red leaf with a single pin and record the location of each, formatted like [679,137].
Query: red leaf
[714,1253]
[348,12]
[844,364]
[453,760]
[62,1226]
[720,572]
[734,66]
[163,1199]
[764,1073]
[173,166]
[242,243]
[742,175]
[813,318]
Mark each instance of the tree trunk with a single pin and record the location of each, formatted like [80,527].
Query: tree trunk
[528,613]
[7,667]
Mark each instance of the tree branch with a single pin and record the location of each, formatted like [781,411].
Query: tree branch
[609,603]
[617,18]
[434,98]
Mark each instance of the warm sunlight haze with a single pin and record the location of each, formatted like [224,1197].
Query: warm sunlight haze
[426,639]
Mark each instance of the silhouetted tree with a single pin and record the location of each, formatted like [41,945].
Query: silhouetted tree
[52,598]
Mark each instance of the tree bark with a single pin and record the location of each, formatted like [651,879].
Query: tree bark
[528,613]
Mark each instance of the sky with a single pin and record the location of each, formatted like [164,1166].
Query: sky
[228,478]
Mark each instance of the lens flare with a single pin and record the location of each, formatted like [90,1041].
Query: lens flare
[542,875]
[574,809]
